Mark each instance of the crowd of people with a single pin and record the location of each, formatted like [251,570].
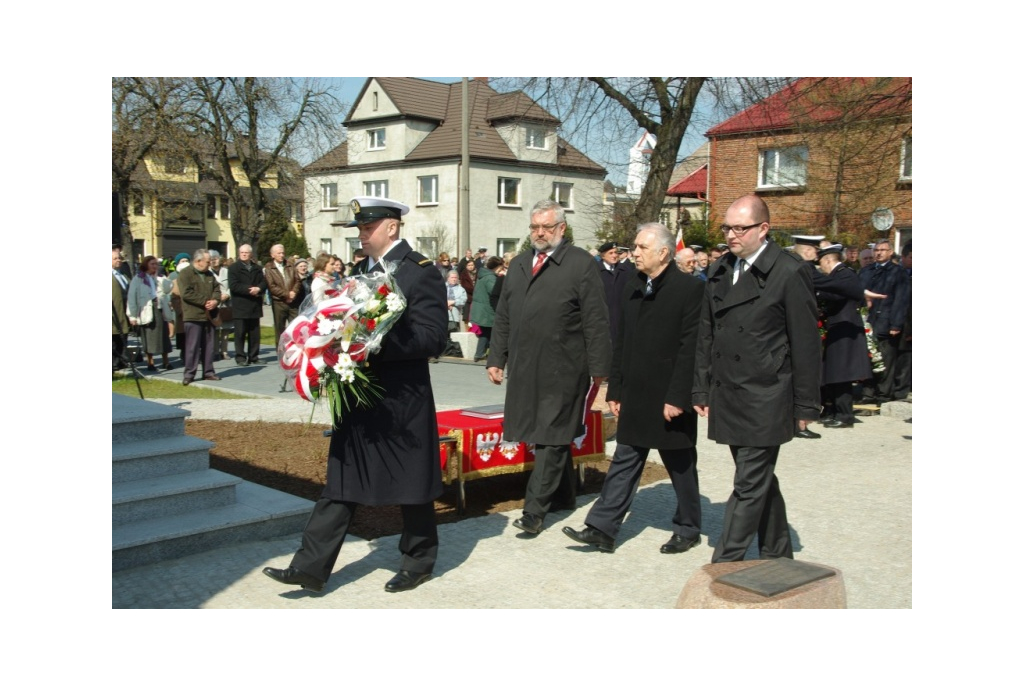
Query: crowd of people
[760,340]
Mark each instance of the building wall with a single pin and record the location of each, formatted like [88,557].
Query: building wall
[870,180]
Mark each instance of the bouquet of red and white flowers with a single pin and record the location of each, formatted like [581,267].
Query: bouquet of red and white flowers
[325,349]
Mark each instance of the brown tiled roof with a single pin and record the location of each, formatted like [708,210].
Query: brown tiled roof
[335,159]
[442,102]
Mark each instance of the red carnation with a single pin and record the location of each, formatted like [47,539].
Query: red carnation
[371,324]
[383,290]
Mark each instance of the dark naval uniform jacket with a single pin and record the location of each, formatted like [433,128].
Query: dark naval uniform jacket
[388,453]
[758,353]
[846,349]
[653,359]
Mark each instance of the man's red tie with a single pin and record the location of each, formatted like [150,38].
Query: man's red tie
[540,262]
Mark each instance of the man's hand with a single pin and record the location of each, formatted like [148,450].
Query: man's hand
[701,409]
[210,305]
[671,411]
[495,374]
[254,291]
[291,295]
[224,297]
[614,406]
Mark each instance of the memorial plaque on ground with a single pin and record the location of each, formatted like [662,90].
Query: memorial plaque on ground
[775,576]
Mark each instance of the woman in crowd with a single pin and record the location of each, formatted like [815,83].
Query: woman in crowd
[324,276]
[467,279]
[146,309]
[483,313]
[304,284]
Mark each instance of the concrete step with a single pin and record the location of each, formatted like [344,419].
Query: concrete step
[164,456]
[150,498]
[258,514]
[134,419]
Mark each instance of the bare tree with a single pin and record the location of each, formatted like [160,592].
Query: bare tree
[144,111]
[254,124]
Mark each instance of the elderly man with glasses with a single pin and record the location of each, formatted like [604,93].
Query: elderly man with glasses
[758,327]
[551,332]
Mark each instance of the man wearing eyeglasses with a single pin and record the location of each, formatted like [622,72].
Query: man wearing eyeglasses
[551,331]
[758,326]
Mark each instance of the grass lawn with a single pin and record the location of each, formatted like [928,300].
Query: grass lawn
[156,389]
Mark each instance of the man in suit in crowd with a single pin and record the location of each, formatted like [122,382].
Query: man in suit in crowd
[887,316]
[387,453]
[551,331]
[649,392]
[759,318]
[247,285]
[283,285]
[200,297]
[119,319]
[614,274]
[686,261]
[846,359]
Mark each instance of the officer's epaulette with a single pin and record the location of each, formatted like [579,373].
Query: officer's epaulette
[419,259]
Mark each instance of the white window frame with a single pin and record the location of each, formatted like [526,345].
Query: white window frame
[353,245]
[507,245]
[427,245]
[502,199]
[906,159]
[376,139]
[325,245]
[768,165]
[375,188]
[428,183]
[328,192]
[555,194]
[532,134]
[225,208]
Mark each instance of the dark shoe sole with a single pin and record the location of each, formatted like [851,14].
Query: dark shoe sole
[672,549]
[318,587]
[411,585]
[526,529]
[600,546]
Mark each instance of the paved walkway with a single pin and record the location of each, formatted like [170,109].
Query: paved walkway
[848,497]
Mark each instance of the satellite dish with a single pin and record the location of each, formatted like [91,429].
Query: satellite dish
[882,219]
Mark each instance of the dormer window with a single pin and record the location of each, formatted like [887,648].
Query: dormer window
[536,138]
[376,139]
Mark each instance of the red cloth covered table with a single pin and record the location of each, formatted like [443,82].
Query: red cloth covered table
[478,450]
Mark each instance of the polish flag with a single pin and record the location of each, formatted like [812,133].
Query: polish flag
[679,240]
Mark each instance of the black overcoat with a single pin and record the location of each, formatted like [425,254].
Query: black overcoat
[241,277]
[388,453]
[758,351]
[615,283]
[846,349]
[551,335]
[653,359]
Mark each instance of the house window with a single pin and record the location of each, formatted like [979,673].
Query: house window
[536,138]
[353,245]
[785,167]
[174,165]
[325,245]
[295,211]
[375,188]
[508,191]
[138,205]
[427,246]
[211,206]
[427,190]
[329,191]
[225,208]
[507,245]
[375,101]
[376,139]
[562,194]
[906,159]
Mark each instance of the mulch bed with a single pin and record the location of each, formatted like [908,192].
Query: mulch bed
[292,457]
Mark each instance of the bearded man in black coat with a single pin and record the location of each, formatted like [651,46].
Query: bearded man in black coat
[649,392]
[387,453]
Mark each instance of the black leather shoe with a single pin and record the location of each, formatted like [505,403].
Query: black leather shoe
[211,377]
[186,381]
[241,362]
[836,423]
[591,536]
[293,576]
[529,523]
[677,544]
[806,433]
[405,580]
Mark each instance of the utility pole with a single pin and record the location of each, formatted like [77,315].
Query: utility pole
[463,229]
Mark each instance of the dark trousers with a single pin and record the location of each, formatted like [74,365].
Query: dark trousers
[328,525]
[118,351]
[623,478]
[200,343]
[552,476]
[754,507]
[902,383]
[482,342]
[247,330]
[283,315]
[889,347]
[840,395]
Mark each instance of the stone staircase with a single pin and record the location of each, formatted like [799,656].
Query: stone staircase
[167,501]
